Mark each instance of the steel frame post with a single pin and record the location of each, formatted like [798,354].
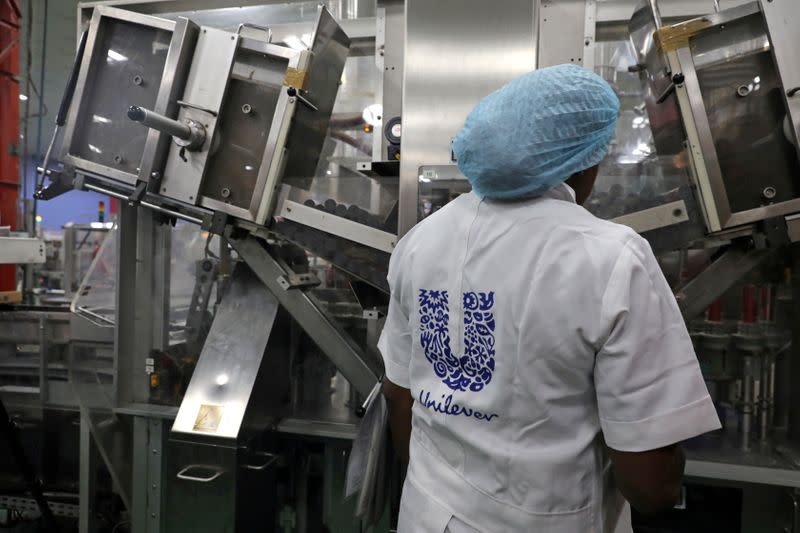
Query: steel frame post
[89,460]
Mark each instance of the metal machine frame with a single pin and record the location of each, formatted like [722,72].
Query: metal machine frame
[143,246]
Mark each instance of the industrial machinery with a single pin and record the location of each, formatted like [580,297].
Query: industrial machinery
[223,341]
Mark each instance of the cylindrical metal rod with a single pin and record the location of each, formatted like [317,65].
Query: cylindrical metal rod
[747,411]
[159,122]
[656,13]
[716,6]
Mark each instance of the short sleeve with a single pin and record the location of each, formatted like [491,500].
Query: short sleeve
[650,391]
[395,341]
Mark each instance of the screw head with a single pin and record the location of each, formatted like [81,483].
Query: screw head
[138,80]
[118,159]
[247,109]
[225,192]
[769,193]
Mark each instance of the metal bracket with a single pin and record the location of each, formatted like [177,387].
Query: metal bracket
[60,182]
[298,281]
[218,223]
[775,231]
[138,193]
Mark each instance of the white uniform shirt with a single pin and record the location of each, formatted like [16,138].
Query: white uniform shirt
[524,330]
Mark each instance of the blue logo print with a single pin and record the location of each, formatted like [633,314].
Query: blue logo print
[473,370]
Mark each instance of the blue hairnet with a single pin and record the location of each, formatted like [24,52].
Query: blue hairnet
[537,131]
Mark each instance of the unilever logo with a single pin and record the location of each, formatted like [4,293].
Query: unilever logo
[472,370]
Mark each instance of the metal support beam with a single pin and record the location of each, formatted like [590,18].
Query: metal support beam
[351,361]
[89,461]
[709,285]
[150,436]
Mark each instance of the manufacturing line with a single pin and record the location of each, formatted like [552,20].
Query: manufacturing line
[211,353]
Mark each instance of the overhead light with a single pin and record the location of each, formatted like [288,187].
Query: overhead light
[23,97]
[116,56]
[293,41]
[101,120]
[373,115]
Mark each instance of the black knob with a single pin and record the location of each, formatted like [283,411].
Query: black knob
[678,78]
[136,113]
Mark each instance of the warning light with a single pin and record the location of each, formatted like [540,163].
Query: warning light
[153,380]
[101,211]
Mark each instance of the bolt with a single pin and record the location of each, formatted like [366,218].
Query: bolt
[138,80]
[743,90]
[769,193]
[225,192]
[677,212]
[247,109]
[118,159]
[155,175]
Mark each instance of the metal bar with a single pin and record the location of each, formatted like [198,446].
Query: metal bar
[655,217]
[781,477]
[148,205]
[87,479]
[656,13]
[348,358]
[159,122]
[125,304]
[335,225]
[714,281]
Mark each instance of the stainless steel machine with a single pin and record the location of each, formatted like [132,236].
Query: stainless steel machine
[269,157]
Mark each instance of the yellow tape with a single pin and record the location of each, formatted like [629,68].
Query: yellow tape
[295,78]
[670,38]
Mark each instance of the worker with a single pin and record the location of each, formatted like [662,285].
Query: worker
[538,370]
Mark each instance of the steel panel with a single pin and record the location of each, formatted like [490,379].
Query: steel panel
[782,17]
[329,52]
[219,392]
[176,68]
[205,88]
[562,27]
[457,52]
[118,69]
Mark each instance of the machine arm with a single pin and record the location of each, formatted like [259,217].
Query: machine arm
[348,358]
[736,262]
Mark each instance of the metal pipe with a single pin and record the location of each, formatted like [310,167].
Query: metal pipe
[159,122]
[148,205]
[656,13]
[716,6]
[747,411]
